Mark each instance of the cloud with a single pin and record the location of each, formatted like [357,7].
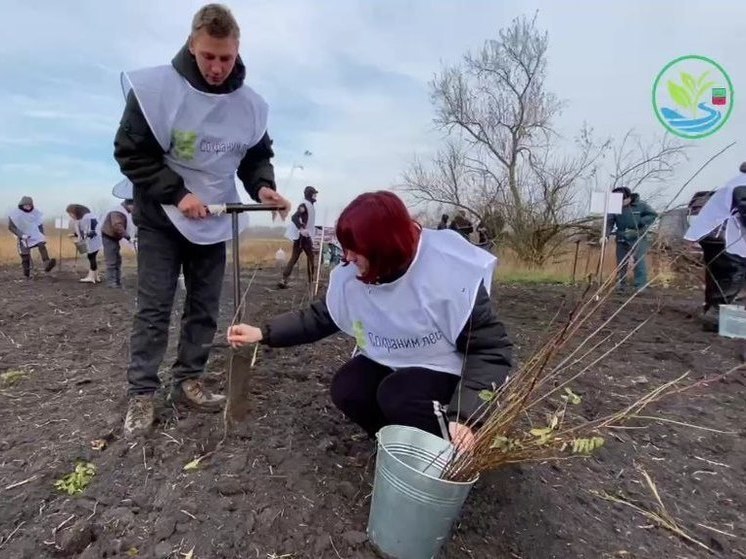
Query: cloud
[345,79]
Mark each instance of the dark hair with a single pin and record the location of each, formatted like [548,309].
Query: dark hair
[378,226]
[444,217]
[742,168]
[78,210]
[626,192]
[217,20]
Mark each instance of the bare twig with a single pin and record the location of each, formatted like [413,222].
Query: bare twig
[6,540]
[59,527]
[24,482]
[334,547]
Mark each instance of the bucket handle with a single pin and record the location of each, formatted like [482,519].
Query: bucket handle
[438,409]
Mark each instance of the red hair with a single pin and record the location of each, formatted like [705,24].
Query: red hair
[378,226]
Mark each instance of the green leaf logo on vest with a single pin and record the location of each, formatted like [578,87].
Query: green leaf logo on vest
[184,144]
[693,96]
[359,331]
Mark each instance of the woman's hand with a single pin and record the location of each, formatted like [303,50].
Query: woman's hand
[462,436]
[243,334]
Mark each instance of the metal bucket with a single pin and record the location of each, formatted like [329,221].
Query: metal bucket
[81,246]
[412,511]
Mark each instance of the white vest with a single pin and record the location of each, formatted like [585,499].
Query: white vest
[718,212]
[131,229]
[28,224]
[292,232]
[415,320]
[204,136]
[84,226]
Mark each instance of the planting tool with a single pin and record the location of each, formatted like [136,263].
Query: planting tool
[239,368]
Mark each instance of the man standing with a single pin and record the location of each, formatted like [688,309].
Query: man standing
[27,224]
[187,128]
[300,231]
[718,222]
[461,224]
[631,225]
[117,225]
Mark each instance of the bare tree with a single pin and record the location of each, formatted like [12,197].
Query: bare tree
[639,164]
[501,160]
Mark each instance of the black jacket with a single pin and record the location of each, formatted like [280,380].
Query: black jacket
[483,340]
[300,217]
[140,156]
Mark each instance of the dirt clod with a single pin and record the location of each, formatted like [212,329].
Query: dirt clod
[354,537]
[228,486]
[77,538]
[164,527]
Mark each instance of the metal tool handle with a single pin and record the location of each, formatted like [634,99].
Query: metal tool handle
[220,209]
[234,210]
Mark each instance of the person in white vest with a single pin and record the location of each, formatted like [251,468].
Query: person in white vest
[87,229]
[27,224]
[188,129]
[720,227]
[117,226]
[417,301]
[300,231]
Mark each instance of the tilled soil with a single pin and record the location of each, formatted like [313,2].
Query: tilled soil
[295,480]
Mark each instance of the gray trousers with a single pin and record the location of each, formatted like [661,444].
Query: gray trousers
[25,254]
[113,260]
[161,254]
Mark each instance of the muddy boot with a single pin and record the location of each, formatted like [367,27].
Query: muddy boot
[89,278]
[114,280]
[26,265]
[711,320]
[140,415]
[49,264]
[282,284]
[192,393]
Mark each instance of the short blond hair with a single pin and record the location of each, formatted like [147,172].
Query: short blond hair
[217,20]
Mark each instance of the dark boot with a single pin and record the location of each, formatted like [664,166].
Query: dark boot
[140,415]
[26,264]
[192,393]
[711,320]
[50,264]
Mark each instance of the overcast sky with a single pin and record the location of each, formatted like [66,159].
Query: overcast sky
[345,79]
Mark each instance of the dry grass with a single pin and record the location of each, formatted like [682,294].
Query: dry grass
[253,251]
[559,268]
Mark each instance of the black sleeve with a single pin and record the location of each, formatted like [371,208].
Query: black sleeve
[256,170]
[298,217]
[299,327]
[94,228]
[140,157]
[489,354]
[739,203]
[41,228]
[13,229]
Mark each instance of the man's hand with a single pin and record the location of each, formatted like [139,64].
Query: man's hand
[269,196]
[243,334]
[192,207]
[462,436]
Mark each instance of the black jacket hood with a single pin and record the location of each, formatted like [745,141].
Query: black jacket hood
[185,63]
